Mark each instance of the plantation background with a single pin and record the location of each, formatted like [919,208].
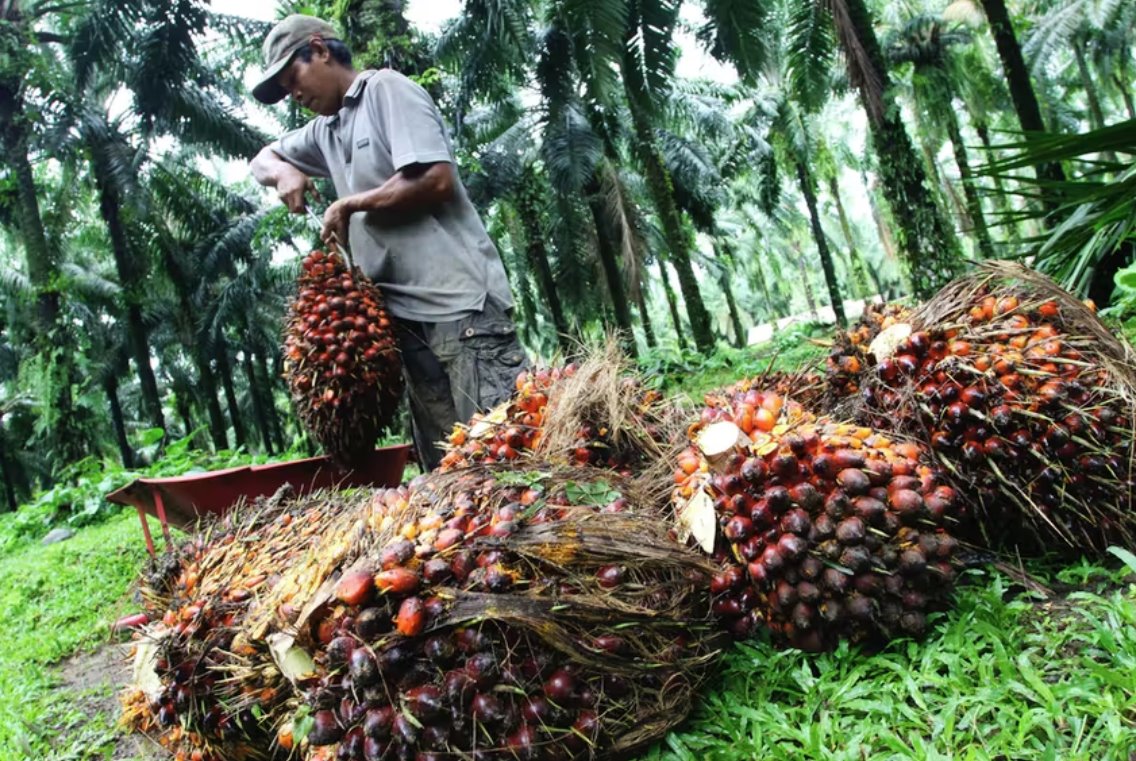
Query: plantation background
[844,151]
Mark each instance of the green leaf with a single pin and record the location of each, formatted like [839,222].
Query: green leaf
[1127,557]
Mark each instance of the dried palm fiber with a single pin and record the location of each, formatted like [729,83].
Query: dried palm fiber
[597,412]
[204,688]
[822,531]
[1026,399]
[340,359]
[530,615]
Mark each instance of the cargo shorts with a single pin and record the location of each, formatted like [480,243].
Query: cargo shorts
[456,369]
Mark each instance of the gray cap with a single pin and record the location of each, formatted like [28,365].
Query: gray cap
[281,44]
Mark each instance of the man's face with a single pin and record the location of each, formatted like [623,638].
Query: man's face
[312,84]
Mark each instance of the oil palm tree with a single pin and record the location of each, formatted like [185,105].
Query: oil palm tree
[813,32]
[926,42]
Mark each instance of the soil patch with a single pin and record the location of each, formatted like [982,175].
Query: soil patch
[92,681]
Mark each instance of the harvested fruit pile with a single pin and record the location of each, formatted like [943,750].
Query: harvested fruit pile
[597,413]
[823,531]
[522,602]
[187,698]
[340,359]
[463,614]
[1026,400]
[496,618]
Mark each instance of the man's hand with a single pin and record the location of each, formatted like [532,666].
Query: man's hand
[291,187]
[291,184]
[335,221]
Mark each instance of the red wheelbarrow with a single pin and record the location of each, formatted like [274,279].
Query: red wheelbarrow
[183,500]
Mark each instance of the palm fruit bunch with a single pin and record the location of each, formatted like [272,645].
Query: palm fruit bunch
[500,616]
[595,413]
[1026,400]
[824,531]
[848,357]
[513,428]
[188,697]
[340,358]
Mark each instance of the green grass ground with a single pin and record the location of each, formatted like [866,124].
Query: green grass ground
[1004,676]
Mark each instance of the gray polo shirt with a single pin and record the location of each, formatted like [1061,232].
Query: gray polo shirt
[437,265]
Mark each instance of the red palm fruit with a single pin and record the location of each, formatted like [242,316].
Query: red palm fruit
[411,618]
[363,668]
[850,531]
[397,581]
[396,554]
[853,481]
[377,722]
[355,587]
[610,576]
[325,729]
[339,651]
[792,547]
[796,521]
[425,703]
[738,529]
[907,502]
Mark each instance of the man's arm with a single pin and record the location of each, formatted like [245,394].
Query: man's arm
[291,184]
[411,189]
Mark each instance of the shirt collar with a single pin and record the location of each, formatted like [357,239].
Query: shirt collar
[351,97]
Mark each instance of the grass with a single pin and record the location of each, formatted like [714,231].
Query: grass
[1003,676]
[58,601]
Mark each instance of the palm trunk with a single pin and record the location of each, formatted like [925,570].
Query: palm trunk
[7,474]
[258,411]
[678,242]
[225,370]
[538,259]
[1096,113]
[110,387]
[808,188]
[131,279]
[1123,85]
[612,275]
[516,232]
[771,311]
[1021,89]
[810,299]
[731,303]
[929,246]
[645,317]
[854,258]
[969,189]
[267,387]
[41,262]
[672,304]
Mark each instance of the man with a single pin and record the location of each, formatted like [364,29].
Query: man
[406,216]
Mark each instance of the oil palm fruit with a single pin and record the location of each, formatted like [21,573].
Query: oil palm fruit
[490,630]
[840,531]
[340,359]
[1025,399]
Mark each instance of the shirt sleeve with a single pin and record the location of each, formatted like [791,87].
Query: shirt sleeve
[413,124]
[301,149]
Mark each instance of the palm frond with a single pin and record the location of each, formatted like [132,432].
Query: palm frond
[571,150]
[100,35]
[1053,30]
[197,119]
[735,33]
[811,50]
[626,219]
[650,53]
